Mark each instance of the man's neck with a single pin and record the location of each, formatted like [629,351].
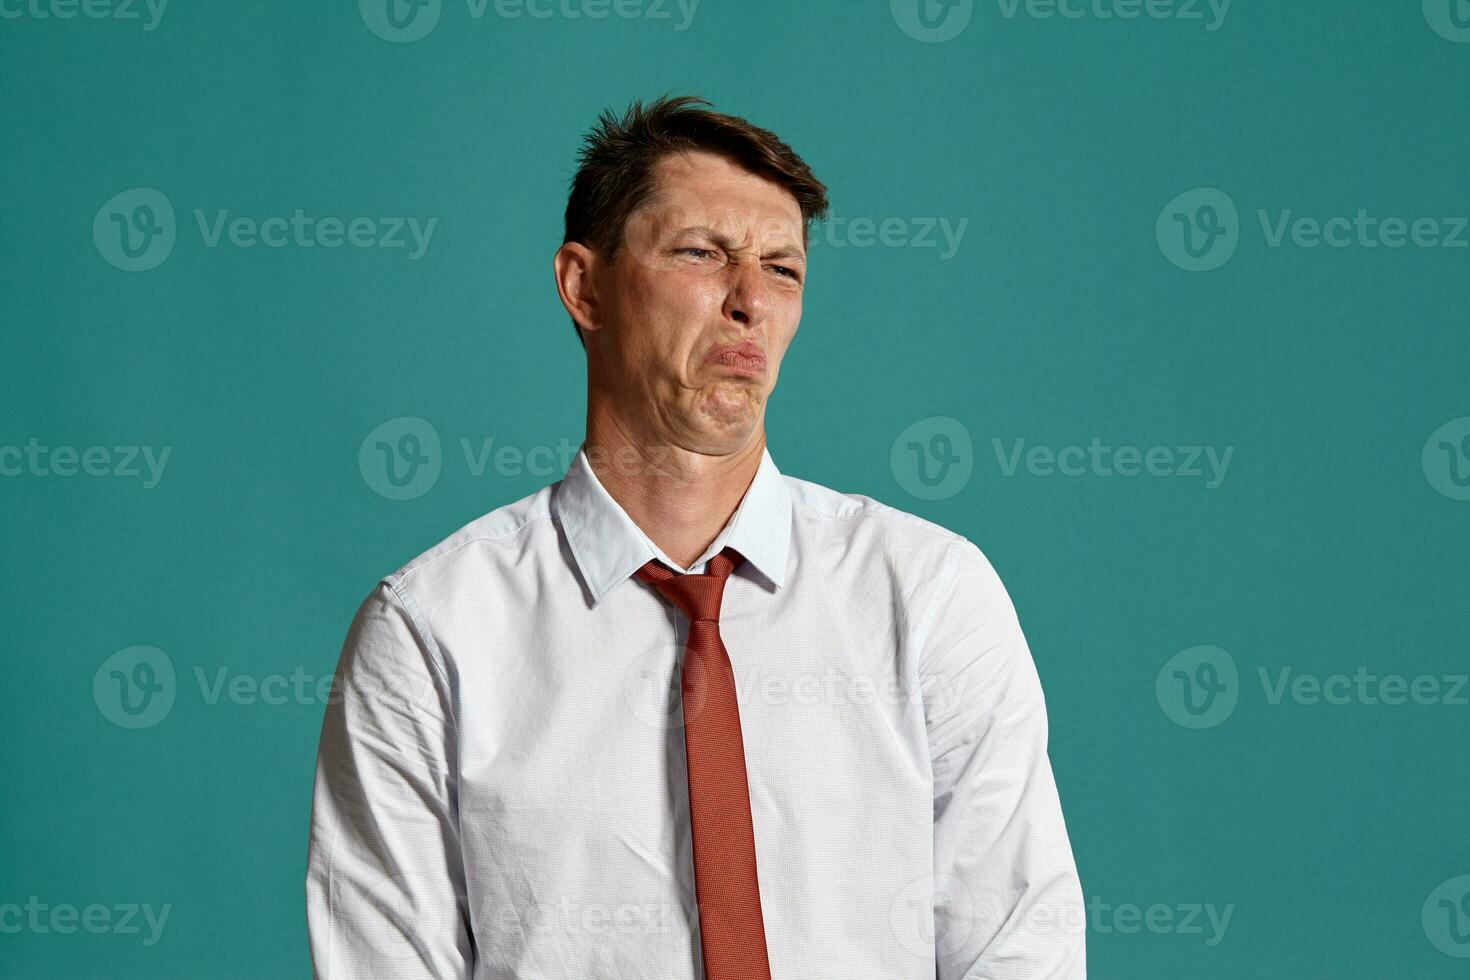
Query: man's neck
[682,500]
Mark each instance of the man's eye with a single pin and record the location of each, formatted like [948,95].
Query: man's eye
[787,272]
[695,251]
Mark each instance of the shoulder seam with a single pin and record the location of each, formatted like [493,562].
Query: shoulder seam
[423,562]
[944,584]
[876,507]
[426,638]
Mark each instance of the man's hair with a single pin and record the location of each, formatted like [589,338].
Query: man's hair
[615,171]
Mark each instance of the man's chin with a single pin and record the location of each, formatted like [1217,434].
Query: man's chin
[730,411]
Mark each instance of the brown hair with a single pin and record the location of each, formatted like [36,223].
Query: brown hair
[616,162]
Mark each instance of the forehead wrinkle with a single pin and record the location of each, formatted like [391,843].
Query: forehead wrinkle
[724,240]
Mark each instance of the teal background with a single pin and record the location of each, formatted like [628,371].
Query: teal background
[1058,320]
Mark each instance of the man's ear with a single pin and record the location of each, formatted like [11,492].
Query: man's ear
[575,266]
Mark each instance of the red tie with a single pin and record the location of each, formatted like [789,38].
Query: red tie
[731,930]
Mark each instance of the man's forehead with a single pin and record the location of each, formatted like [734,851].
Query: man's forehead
[700,188]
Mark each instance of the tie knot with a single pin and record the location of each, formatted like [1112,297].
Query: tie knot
[697,596]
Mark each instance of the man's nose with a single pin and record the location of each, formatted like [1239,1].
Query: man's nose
[747,300]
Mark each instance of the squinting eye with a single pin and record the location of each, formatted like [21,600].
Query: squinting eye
[694,250]
[789,273]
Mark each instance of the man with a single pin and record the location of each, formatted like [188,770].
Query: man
[678,715]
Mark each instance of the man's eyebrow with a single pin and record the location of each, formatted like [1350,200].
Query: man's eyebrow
[723,240]
[786,252]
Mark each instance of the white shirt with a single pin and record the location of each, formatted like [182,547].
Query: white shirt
[501,788]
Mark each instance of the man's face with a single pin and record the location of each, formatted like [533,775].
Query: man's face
[700,303]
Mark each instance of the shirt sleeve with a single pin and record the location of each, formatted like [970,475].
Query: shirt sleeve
[1007,899]
[385,890]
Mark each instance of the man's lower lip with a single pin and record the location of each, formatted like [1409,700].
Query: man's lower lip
[737,362]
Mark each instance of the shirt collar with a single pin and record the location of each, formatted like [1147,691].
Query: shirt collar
[609,547]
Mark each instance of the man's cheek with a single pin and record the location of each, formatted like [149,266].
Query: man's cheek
[701,298]
[791,316]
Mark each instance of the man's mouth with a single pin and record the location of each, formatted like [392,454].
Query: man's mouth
[747,358]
